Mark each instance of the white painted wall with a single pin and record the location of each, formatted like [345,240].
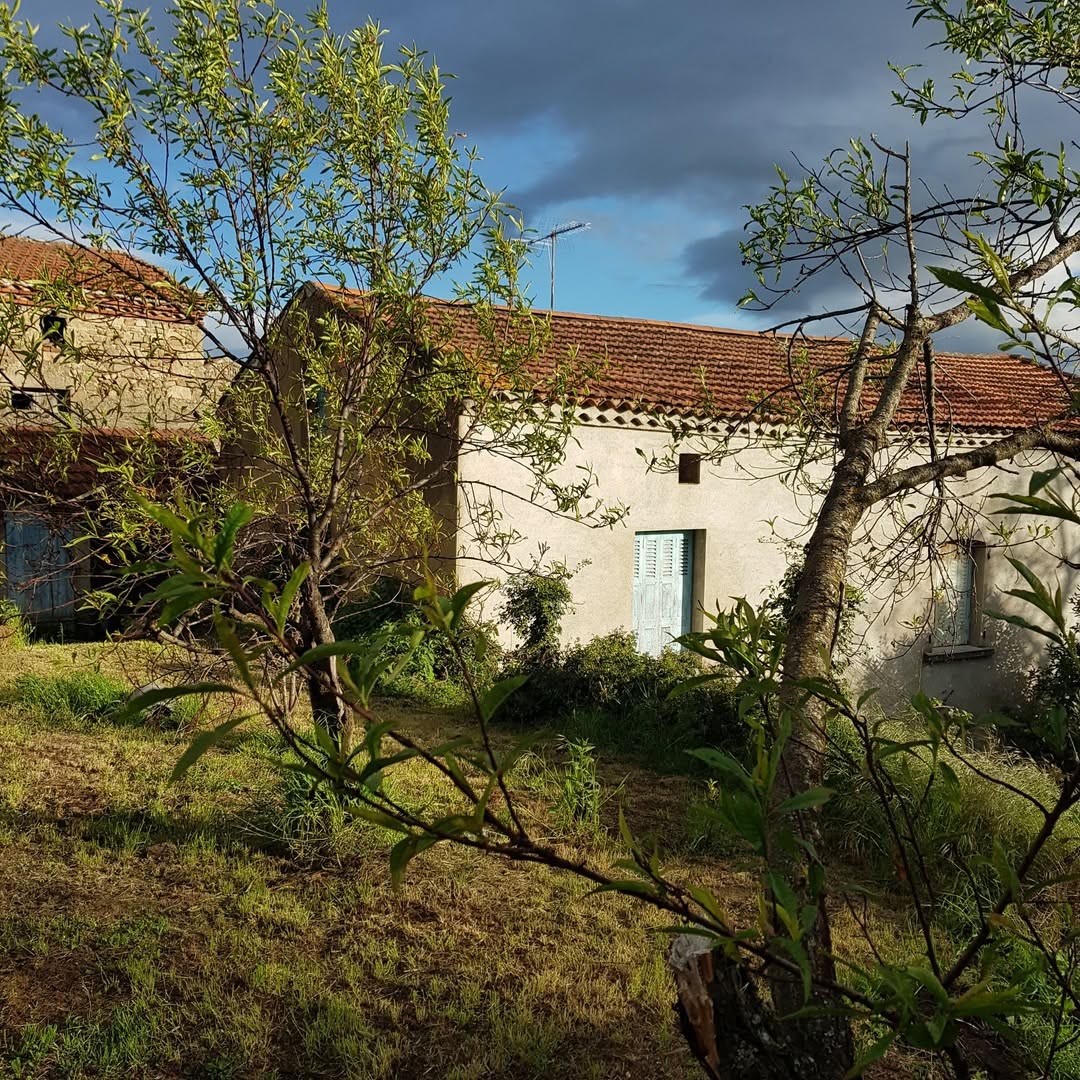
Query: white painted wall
[732,508]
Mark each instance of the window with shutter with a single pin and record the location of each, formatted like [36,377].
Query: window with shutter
[663,588]
[955,601]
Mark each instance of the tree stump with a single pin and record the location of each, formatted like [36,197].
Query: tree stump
[734,1032]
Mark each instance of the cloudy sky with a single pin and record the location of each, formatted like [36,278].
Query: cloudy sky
[656,122]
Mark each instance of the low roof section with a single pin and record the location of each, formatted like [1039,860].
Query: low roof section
[47,464]
[107,282]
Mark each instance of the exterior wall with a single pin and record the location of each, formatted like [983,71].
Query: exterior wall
[732,512]
[113,372]
[993,674]
[117,371]
[728,510]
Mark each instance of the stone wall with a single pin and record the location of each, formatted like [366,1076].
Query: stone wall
[111,371]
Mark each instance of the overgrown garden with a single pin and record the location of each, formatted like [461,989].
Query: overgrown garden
[860,888]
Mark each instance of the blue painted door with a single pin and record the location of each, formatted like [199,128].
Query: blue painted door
[663,588]
[37,574]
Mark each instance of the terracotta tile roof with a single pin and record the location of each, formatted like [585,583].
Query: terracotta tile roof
[33,459]
[710,372]
[112,282]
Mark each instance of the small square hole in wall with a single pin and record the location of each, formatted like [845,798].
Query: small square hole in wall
[689,468]
[53,329]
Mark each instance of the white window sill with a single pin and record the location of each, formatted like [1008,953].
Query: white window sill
[939,654]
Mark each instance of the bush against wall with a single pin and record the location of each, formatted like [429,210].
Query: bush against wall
[617,698]
[534,607]
[432,671]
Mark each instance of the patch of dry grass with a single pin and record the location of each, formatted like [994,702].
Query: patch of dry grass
[149,930]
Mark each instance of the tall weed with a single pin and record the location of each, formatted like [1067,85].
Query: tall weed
[578,805]
[952,827]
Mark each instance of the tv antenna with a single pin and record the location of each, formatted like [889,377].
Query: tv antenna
[551,238]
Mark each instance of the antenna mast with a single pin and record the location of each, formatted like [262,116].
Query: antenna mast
[550,239]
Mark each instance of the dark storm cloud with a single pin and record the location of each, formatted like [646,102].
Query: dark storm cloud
[688,96]
[690,101]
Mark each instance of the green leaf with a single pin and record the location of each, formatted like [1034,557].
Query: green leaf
[708,902]
[335,648]
[989,313]
[288,594]
[628,886]
[687,685]
[954,279]
[873,1053]
[866,696]
[461,598]
[1025,624]
[782,893]
[177,526]
[139,703]
[380,764]
[491,701]
[238,516]
[797,953]
[401,854]
[724,764]
[375,817]
[1030,504]
[203,742]
[806,800]
[226,634]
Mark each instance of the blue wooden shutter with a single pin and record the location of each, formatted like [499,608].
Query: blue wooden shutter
[955,605]
[37,573]
[663,588]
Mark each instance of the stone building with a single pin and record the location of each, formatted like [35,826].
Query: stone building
[101,356]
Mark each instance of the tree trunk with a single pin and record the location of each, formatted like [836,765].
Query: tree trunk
[323,685]
[810,639]
[734,1034]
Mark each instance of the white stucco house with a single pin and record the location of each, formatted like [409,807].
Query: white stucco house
[689,428]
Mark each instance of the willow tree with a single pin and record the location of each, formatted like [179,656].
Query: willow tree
[252,153]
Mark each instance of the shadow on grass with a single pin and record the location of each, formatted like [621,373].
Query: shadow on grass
[150,832]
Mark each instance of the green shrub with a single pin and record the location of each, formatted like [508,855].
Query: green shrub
[611,695]
[13,629]
[1055,685]
[79,697]
[535,605]
[432,674]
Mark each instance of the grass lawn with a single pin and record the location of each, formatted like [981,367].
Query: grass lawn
[149,930]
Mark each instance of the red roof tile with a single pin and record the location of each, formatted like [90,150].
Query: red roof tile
[113,283]
[63,463]
[706,371]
